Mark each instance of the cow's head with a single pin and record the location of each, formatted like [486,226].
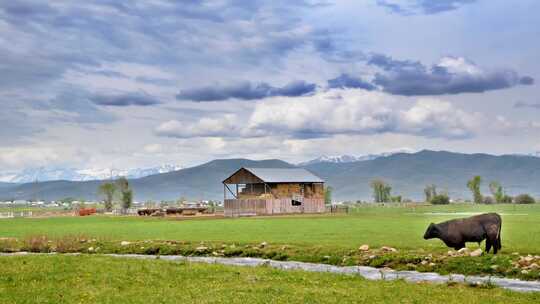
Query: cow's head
[432,232]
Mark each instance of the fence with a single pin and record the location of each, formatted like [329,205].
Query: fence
[245,207]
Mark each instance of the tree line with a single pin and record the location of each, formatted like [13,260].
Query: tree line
[382,193]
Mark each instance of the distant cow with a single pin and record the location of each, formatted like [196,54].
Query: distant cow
[455,233]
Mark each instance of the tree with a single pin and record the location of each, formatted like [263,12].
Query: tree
[440,199]
[524,199]
[107,190]
[381,191]
[328,195]
[497,191]
[126,194]
[474,186]
[430,192]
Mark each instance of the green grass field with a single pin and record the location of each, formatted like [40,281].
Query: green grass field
[400,227]
[97,279]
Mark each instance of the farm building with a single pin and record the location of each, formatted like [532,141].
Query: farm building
[263,191]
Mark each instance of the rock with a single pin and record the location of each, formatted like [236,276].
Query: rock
[494,267]
[388,249]
[263,244]
[364,247]
[534,266]
[424,262]
[450,253]
[90,249]
[326,257]
[476,253]
[463,250]
[201,248]
[215,253]
[124,243]
[432,264]
[411,266]
[371,257]
[524,271]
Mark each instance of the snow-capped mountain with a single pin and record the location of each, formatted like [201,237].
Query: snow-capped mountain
[351,158]
[48,174]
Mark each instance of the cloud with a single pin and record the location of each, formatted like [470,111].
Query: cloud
[436,118]
[428,7]
[530,105]
[224,126]
[246,91]
[122,100]
[451,75]
[330,113]
[345,81]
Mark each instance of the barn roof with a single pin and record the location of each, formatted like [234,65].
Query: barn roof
[281,175]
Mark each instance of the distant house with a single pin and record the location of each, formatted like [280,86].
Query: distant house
[263,191]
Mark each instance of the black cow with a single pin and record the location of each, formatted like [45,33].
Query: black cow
[455,233]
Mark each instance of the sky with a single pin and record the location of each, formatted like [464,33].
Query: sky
[124,84]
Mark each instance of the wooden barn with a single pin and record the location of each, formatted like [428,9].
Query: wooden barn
[265,191]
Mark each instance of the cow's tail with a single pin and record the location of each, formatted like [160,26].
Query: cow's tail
[498,244]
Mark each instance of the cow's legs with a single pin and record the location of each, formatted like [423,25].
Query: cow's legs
[488,246]
[459,246]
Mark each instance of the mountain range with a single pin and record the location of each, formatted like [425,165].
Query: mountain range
[350,158]
[407,173]
[42,174]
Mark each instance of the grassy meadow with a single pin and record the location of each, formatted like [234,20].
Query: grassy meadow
[399,227]
[98,279]
[329,238]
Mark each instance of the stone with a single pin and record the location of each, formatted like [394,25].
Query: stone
[263,244]
[124,243]
[388,249]
[201,248]
[424,262]
[524,271]
[450,253]
[432,264]
[364,247]
[371,257]
[476,253]
[463,250]
[534,266]
[90,249]
[494,267]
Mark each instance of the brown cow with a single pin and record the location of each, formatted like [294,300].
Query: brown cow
[455,233]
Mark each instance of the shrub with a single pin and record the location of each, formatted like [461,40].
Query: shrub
[524,199]
[68,244]
[440,199]
[37,244]
[507,199]
[488,200]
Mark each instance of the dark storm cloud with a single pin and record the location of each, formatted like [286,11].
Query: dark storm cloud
[428,7]
[530,105]
[450,76]
[246,91]
[527,80]
[121,100]
[346,81]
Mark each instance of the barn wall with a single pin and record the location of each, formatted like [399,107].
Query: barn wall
[244,207]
